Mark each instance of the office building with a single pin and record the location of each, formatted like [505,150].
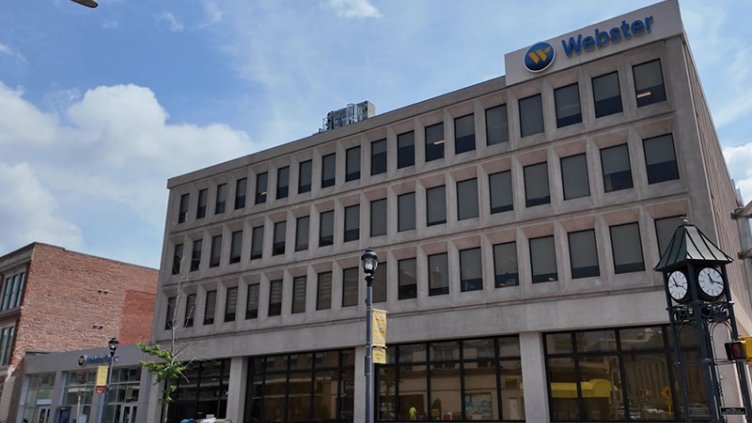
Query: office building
[517,222]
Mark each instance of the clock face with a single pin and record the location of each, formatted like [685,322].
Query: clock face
[711,282]
[678,286]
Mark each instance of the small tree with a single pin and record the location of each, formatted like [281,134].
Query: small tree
[167,370]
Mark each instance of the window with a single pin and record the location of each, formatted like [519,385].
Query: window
[436,205]
[435,142]
[326,228]
[262,183]
[324,291]
[505,264]
[203,196]
[648,80]
[583,254]
[231,304]
[204,387]
[301,233]
[617,172]
[235,246]
[543,259]
[607,95]
[378,157]
[568,110]
[190,310]
[275,298]
[471,271]
[378,217]
[531,115]
[536,185]
[405,149]
[463,379]
[406,212]
[379,283]
[501,191]
[211,307]
[251,305]
[6,344]
[464,134]
[219,205]
[627,248]
[328,170]
[170,314]
[664,231]
[352,223]
[177,258]
[574,176]
[350,287]
[438,274]
[216,251]
[467,199]
[298,294]
[407,279]
[183,212]
[497,127]
[283,182]
[280,229]
[196,255]
[304,176]
[240,188]
[352,164]
[660,159]
[257,242]
[12,291]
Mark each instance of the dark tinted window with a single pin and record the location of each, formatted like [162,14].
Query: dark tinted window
[406,273]
[464,134]
[617,173]
[350,287]
[352,223]
[280,229]
[583,254]
[235,246]
[251,306]
[438,274]
[435,205]
[505,264]
[202,201]
[664,230]
[216,250]
[434,142]
[379,283]
[497,127]
[627,248]
[183,210]
[471,271]
[231,304]
[219,206]
[301,233]
[568,110]
[324,291]
[328,170]
[531,115]
[543,259]
[536,185]
[405,149]
[607,95]
[262,182]
[467,199]
[660,159]
[326,228]
[378,217]
[196,255]
[406,212]
[241,185]
[574,176]
[283,182]
[500,185]
[304,176]
[177,258]
[257,242]
[352,165]
[298,294]
[190,310]
[210,308]
[275,298]
[648,80]
[378,157]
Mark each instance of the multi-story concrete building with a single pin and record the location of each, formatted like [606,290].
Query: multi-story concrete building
[56,300]
[517,222]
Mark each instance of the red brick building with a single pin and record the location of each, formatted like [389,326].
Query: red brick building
[52,299]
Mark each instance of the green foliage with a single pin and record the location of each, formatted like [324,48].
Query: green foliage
[167,369]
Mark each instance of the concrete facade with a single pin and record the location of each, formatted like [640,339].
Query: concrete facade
[68,301]
[703,192]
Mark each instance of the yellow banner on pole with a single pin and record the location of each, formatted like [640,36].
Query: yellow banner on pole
[378,338]
[379,355]
[102,375]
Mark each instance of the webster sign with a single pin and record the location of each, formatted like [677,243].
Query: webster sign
[602,39]
[95,359]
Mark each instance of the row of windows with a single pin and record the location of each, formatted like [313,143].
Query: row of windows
[615,167]
[607,95]
[12,291]
[6,344]
[626,250]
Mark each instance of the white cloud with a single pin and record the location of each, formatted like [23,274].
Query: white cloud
[29,211]
[354,8]
[172,22]
[738,160]
[8,51]
[212,13]
[109,154]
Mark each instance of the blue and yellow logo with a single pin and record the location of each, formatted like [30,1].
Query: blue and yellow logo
[539,57]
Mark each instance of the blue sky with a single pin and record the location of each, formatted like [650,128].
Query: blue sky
[98,107]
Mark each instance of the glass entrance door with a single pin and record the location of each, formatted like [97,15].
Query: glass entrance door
[125,413]
[42,415]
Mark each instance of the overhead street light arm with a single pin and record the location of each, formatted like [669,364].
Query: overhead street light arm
[87,3]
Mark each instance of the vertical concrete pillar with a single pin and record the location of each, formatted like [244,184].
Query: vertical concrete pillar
[236,389]
[534,377]
[154,410]
[359,405]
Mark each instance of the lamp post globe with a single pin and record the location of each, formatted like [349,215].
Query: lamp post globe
[370,262]
[113,344]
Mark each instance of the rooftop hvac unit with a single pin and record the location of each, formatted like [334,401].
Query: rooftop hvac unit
[353,113]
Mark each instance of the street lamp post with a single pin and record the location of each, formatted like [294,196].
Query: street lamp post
[113,344]
[370,262]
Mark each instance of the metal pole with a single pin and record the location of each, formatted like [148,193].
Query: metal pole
[107,386]
[739,364]
[369,347]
